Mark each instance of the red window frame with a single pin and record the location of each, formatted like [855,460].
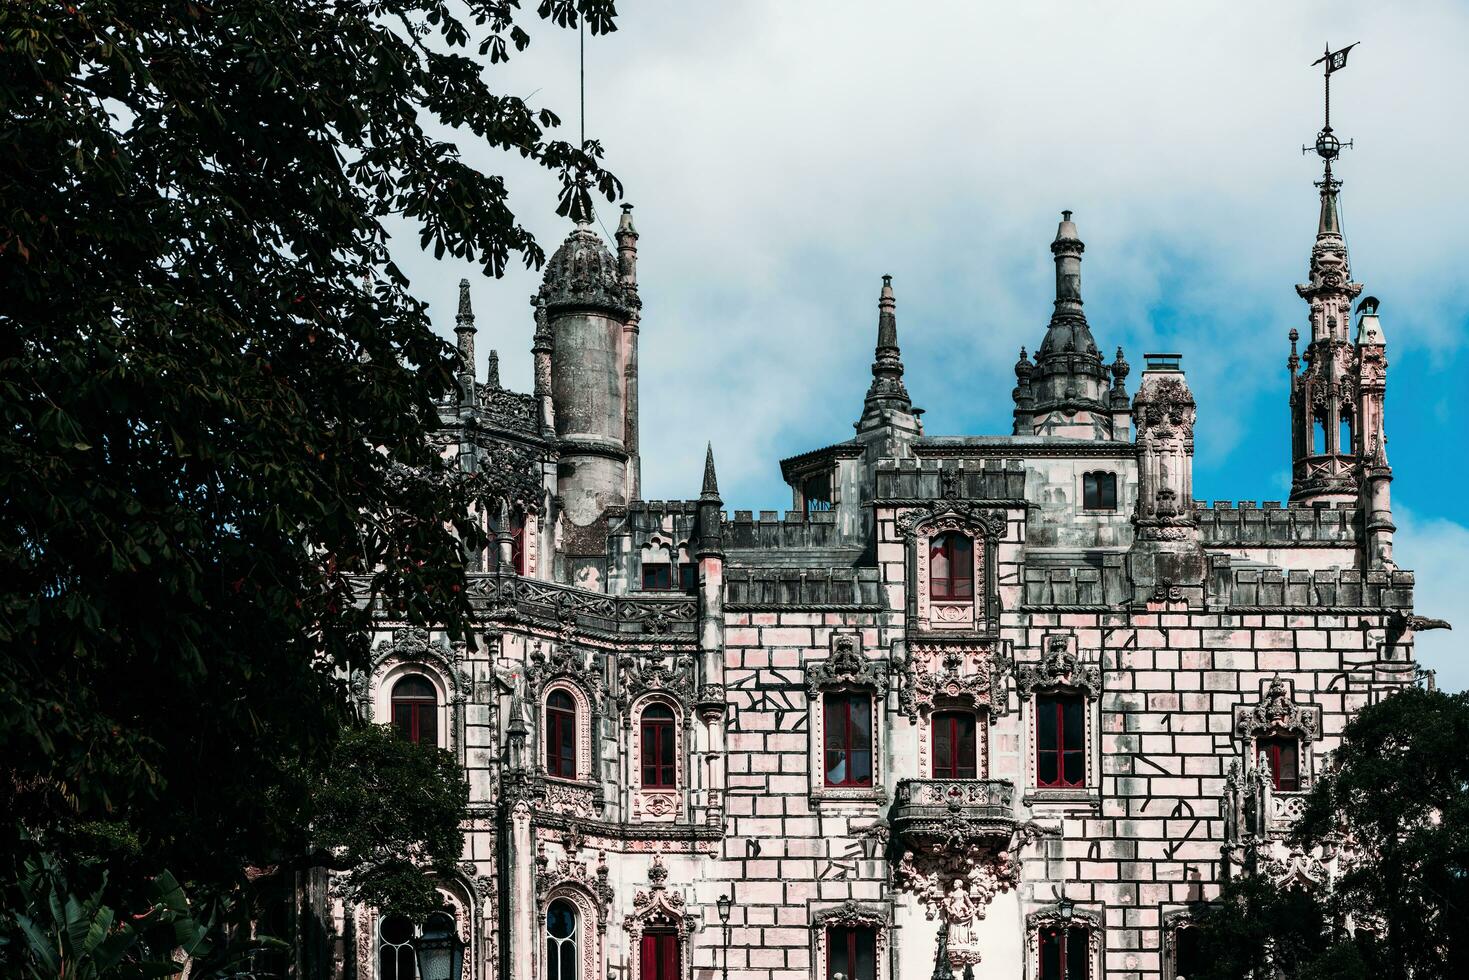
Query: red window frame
[955,752]
[659,955]
[850,948]
[517,544]
[951,566]
[842,740]
[1283,755]
[561,735]
[1065,953]
[1058,743]
[659,748]
[415,716]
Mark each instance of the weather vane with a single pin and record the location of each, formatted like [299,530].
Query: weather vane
[1328,147]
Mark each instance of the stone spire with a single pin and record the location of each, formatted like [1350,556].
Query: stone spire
[464,330]
[710,490]
[887,397]
[492,374]
[627,247]
[1069,381]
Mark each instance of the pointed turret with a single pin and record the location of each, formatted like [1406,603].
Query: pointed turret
[627,247]
[492,373]
[710,489]
[887,402]
[464,331]
[1068,386]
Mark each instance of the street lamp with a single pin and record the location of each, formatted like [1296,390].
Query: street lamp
[1065,908]
[725,903]
[439,950]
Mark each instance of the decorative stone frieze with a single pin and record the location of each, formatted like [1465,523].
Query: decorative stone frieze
[1277,713]
[969,675]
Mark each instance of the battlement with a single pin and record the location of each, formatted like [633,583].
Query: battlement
[1101,581]
[1243,524]
[786,587]
[1325,589]
[927,479]
[774,530]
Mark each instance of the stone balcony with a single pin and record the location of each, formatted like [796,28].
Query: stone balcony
[943,813]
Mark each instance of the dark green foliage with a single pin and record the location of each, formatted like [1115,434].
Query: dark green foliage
[215,397]
[1398,796]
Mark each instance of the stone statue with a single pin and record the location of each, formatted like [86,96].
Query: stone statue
[959,913]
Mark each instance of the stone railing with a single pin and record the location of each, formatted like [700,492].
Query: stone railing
[937,811]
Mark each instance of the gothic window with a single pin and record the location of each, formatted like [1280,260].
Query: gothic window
[658,955]
[561,735]
[851,951]
[1060,741]
[1318,436]
[1188,960]
[1064,953]
[517,543]
[1282,754]
[395,949]
[816,492]
[415,709]
[1099,491]
[658,747]
[955,745]
[847,738]
[562,937]
[951,566]
[1344,434]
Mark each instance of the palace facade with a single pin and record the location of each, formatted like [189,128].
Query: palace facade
[1011,703]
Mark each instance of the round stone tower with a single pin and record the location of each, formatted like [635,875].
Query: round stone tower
[590,302]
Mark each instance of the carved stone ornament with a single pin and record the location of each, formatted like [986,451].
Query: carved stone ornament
[1165,408]
[546,663]
[711,703]
[846,666]
[970,675]
[511,475]
[657,908]
[852,914]
[1060,666]
[957,884]
[1050,917]
[656,671]
[575,876]
[952,514]
[1278,714]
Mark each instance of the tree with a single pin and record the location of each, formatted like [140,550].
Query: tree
[216,393]
[1397,796]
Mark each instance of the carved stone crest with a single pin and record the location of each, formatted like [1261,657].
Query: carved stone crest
[846,665]
[1060,666]
[1278,713]
[969,674]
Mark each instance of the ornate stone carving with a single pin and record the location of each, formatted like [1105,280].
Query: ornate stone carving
[969,674]
[957,884]
[711,703]
[952,514]
[656,672]
[574,876]
[846,665]
[1060,666]
[1050,917]
[511,475]
[657,907]
[1277,713]
[562,660]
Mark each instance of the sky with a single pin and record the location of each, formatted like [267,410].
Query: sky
[783,156]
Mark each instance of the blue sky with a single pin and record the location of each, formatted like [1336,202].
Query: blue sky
[783,156]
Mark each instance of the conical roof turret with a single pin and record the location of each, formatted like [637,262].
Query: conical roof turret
[887,394]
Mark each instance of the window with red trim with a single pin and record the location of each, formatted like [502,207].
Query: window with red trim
[517,544]
[1064,953]
[659,955]
[847,719]
[1060,741]
[1282,754]
[659,769]
[955,745]
[561,735]
[852,952]
[951,566]
[415,707]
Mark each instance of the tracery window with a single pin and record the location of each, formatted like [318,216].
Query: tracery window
[1099,491]
[951,566]
[847,738]
[561,735]
[1282,754]
[415,709]
[1060,741]
[852,952]
[658,955]
[659,747]
[955,745]
[517,543]
[395,960]
[563,927]
[1065,952]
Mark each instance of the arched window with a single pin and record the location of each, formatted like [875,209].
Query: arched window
[561,941]
[659,768]
[561,735]
[1060,741]
[951,566]
[1281,753]
[416,709]
[955,745]
[1064,953]
[1318,436]
[395,959]
[1344,434]
[658,955]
